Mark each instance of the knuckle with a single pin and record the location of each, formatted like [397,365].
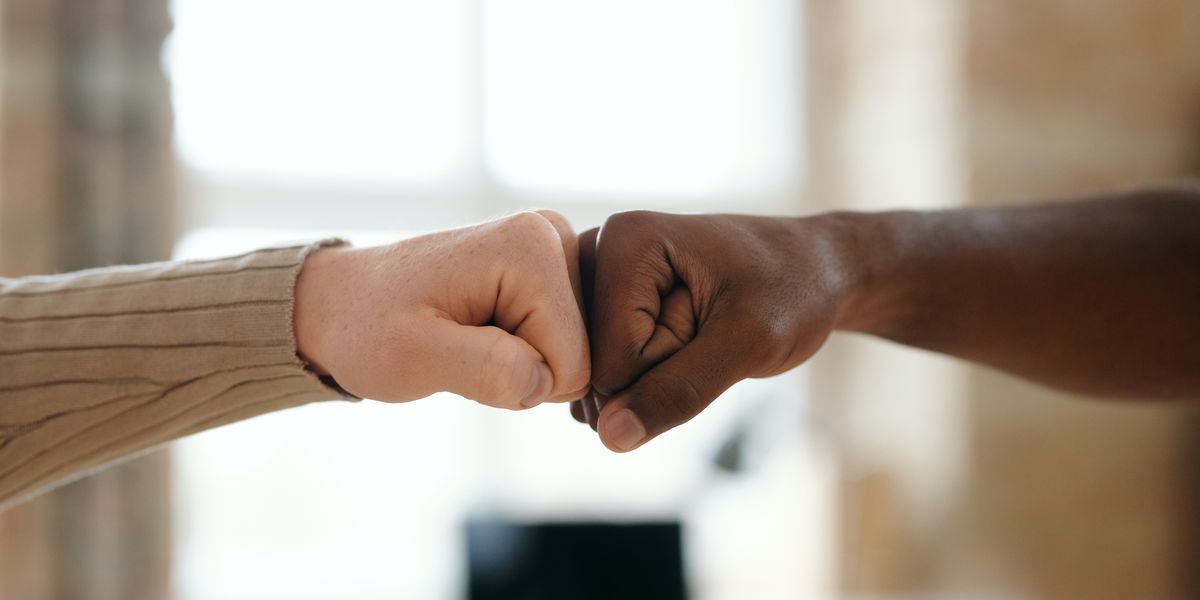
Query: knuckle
[531,223]
[633,240]
[555,218]
[630,220]
[522,220]
[534,235]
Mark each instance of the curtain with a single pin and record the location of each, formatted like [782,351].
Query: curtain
[86,179]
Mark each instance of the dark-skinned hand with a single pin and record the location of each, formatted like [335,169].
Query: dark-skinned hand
[1096,296]
[684,306]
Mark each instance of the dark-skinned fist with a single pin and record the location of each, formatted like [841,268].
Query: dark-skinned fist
[684,306]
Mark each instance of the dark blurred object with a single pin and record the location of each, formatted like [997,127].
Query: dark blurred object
[731,455]
[575,561]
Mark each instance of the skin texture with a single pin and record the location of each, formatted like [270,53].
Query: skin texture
[490,312]
[1099,296]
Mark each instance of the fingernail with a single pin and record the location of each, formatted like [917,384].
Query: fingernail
[624,430]
[539,387]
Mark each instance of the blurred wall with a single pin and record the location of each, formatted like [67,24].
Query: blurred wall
[86,179]
[960,480]
[1080,499]
[885,101]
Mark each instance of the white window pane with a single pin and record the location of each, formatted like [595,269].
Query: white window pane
[675,97]
[318,89]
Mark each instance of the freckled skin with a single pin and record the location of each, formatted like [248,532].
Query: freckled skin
[490,312]
[1099,296]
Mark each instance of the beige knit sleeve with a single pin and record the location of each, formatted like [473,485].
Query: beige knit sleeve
[98,365]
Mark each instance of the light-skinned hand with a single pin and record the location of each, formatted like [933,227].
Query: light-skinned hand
[489,312]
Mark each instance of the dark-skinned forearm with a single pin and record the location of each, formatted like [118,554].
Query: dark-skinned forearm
[1099,296]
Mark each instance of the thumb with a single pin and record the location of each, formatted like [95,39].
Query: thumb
[672,392]
[488,365]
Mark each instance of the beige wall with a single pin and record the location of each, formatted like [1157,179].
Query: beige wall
[961,480]
[886,90]
[1080,499]
[86,179]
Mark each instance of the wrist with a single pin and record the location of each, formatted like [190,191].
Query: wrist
[866,251]
[313,314]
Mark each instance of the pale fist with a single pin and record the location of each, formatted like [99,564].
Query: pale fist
[490,312]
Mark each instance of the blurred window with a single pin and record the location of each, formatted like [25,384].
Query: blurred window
[488,105]
[677,98]
[351,90]
[378,118]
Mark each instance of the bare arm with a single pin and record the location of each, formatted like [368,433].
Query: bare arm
[1100,296]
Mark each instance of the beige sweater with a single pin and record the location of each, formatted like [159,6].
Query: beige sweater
[98,365]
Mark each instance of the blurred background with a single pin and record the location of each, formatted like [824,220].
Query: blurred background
[138,130]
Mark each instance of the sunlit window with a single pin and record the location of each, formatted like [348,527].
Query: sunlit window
[665,99]
[346,90]
[375,118]
[675,97]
